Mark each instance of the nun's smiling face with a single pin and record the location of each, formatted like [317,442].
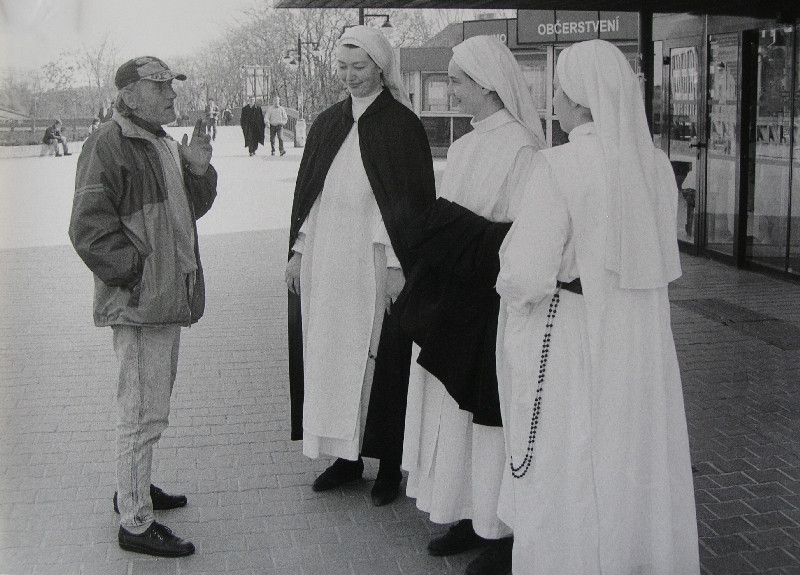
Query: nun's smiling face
[357,71]
[468,96]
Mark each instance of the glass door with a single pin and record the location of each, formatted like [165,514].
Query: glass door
[769,235]
[684,129]
[724,86]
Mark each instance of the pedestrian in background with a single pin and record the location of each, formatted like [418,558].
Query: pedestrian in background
[53,137]
[252,122]
[276,118]
[453,447]
[138,194]
[227,116]
[599,478]
[212,117]
[366,173]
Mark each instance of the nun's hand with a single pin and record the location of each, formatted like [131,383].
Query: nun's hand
[292,276]
[395,280]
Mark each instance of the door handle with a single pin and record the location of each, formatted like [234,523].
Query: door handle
[698,145]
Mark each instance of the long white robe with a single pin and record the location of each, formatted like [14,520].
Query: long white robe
[486,169]
[609,489]
[346,250]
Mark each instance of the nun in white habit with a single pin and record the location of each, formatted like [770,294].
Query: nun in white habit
[365,172]
[598,478]
[486,172]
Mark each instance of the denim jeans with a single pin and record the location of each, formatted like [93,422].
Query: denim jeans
[148,358]
[273,132]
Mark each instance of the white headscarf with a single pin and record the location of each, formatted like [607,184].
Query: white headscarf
[492,65]
[641,244]
[377,46]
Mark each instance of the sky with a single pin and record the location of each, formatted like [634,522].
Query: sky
[34,32]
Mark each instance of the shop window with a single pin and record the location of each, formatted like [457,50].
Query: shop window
[438,130]
[434,93]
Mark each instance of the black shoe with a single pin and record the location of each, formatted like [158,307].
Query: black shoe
[59,155]
[387,484]
[495,560]
[158,540]
[342,471]
[459,538]
[67,153]
[161,501]
[283,152]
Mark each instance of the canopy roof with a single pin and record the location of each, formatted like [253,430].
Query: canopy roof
[783,10]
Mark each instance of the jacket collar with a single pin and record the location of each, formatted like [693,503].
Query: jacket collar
[131,130]
[384,99]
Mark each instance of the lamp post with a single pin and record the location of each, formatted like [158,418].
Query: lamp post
[291,62]
[386,27]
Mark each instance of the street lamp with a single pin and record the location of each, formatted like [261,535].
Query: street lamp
[294,61]
[386,27]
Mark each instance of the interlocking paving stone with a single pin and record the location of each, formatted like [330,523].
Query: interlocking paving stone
[251,509]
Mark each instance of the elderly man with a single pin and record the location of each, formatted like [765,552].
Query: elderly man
[138,194]
[366,172]
[453,447]
[599,478]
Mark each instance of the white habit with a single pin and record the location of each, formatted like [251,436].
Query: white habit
[609,488]
[486,171]
[345,250]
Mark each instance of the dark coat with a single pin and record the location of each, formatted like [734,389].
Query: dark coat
[449,305]
[398,163]
[252,122]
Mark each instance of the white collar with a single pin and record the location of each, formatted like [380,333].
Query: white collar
[586,129]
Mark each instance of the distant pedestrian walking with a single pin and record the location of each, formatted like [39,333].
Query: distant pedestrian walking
[53,137]
[252,122]
[276,118]
[212,117]
[138,194]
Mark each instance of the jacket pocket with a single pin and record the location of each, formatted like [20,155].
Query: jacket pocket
[136,293]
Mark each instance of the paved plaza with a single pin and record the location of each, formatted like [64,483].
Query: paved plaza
[251,508]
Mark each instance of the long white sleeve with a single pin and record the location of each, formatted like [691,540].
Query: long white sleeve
[531,254]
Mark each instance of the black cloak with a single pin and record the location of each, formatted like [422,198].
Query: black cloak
[398,163]
[252,122]
[449,305]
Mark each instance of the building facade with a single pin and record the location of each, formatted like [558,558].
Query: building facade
[725,108]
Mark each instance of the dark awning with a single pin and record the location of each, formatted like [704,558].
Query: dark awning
[783,10]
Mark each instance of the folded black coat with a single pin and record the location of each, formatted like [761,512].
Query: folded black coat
[449,305]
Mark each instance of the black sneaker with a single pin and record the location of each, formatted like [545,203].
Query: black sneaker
[161,501]
[459,538]
[495,560]
[158,540]
[342,471]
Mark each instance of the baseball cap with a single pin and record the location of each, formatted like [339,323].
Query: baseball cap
[144,68]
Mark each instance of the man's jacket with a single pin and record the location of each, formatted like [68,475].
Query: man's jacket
[51,133]
[122,229]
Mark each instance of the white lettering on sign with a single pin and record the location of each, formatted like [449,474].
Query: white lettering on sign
[581,27]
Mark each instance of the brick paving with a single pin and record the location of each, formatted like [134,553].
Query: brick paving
[251,509]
